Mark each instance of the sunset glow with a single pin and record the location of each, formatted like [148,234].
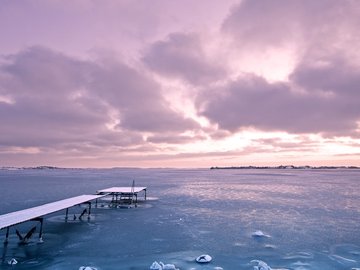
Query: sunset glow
[179,84]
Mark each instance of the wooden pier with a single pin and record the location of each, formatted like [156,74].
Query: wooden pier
[119,195]
[123,195]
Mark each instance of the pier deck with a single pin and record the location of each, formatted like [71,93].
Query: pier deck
[14,218]
[119,195]
[123,194]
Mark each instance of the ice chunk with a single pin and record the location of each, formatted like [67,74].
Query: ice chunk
[161,266]
[205,258]
[13,261]
[260,265]
[259,234]
[156,266]
[87,268]
[168,266]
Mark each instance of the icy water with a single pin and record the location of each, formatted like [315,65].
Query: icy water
[310,219]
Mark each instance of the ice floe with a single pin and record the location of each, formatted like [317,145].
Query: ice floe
[259,234]
[13,261]
[161,266]
[155,266]
[205,258]
[260,265]
[270,246]
[87,268]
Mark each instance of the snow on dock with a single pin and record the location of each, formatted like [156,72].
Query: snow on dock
[14,218]
[122,190]
[120,195]
[123,194]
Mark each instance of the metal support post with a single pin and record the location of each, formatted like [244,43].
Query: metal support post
[41,229]
[41,220]
[7,236]
[89,211]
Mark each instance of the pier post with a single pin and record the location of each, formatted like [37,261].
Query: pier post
[7,236]
[4,253]
[89,211]
[41,230]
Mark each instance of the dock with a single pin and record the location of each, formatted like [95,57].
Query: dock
[123,195]
[119,195]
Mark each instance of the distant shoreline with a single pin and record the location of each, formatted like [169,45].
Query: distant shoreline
[284,167]
[281,167]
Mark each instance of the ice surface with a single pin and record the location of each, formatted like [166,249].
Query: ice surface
[313,218]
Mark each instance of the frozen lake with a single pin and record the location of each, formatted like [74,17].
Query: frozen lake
[310,219]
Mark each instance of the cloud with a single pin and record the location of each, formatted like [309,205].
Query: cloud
[183,56]
[299,143]
[264,22]
[251,101]
[321,91]
[175,139]
[273,23]
[331,74]
[270,38]
[124,26]
[41,84]
[154,75]
[137,99]
[61,101]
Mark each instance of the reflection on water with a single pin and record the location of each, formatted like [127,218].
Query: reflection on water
[311,219]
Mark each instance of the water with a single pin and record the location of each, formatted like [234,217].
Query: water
[311,219]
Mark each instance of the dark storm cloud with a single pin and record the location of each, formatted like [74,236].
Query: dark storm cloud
[182,56]
[53,99]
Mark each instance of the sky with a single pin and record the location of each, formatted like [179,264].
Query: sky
[179,83]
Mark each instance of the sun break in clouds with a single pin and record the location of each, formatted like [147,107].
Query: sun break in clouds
[160,83]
